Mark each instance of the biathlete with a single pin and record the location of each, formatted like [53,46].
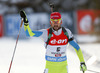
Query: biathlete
[56,39]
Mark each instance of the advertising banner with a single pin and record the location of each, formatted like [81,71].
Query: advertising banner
[36,22]
[86,19]
[13,25]
[1,26]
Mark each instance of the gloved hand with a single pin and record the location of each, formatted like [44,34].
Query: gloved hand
[23,15]
[83,66]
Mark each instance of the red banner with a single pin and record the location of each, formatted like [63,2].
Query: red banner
[85,20]
[1,26]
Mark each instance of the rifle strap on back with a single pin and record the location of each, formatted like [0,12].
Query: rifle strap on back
[66,33]
[50,34]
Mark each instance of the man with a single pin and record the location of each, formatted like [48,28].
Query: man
[56,39]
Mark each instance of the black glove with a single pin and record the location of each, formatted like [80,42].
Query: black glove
[23,15]
[83,66]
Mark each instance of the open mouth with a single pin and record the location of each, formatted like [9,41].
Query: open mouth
[55,27]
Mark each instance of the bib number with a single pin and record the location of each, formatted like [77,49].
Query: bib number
[58,50]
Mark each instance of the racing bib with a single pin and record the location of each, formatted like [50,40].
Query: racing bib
[56,49]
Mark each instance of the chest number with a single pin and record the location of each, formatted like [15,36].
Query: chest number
[58,49]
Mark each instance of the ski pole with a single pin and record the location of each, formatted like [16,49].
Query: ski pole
[93,71]
[15,46]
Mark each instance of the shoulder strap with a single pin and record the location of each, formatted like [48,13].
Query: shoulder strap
[50,34]
[66,33]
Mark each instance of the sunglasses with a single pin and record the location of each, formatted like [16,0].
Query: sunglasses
[57,21]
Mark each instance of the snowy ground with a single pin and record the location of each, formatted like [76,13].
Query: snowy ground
[30,56]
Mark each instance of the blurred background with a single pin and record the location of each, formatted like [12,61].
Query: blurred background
[82,17]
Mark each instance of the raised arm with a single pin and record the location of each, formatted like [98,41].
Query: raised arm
[28,30]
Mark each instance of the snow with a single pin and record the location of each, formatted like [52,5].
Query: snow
[30,56]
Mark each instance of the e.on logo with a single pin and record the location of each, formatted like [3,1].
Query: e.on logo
[60,41]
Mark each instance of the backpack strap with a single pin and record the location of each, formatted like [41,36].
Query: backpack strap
[50,34]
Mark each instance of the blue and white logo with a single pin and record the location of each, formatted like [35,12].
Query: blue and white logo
[56,59]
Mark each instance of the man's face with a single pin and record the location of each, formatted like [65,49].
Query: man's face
[56,24]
